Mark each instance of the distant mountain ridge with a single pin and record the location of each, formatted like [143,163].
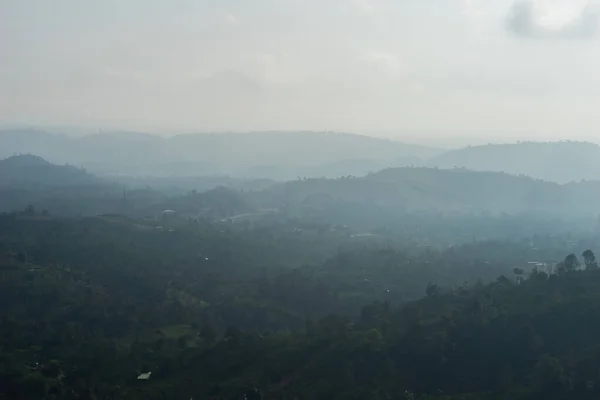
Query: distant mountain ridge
[66,190]
[283,155]
[409,190]
[553,161]
[24,171]
[379,196]
[288,155]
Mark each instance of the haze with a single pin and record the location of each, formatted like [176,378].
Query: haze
[299,199]
[487,69]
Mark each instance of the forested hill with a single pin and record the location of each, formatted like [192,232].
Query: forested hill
[369,201]
[25,171]
[278,155]
[30,181]
[557,161]
[435,190]
[88,305]
[537,340]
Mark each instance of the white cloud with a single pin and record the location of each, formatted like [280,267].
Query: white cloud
[271,69]
[344,64]
[365,6]
[121,73]
[553,19]
[231,19]
[387,62]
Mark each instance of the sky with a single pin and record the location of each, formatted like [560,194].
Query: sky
[491,69]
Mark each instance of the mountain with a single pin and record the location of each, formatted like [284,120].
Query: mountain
[28,180]
[25,171]
[280,155]
[383,198]
[554,161]
[288,155]
[401,191]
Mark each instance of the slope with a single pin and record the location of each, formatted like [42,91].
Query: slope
[25,171]
[408,190]
[556,161]
[239,154]
[503,341]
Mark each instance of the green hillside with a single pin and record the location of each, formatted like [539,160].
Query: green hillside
[90,304]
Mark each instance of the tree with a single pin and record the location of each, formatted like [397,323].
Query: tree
[233,334]
[432,290]
[537,275]
[571,262]
[208,334]
[589,259]
[254,394]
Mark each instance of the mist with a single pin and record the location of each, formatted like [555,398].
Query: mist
[284,199]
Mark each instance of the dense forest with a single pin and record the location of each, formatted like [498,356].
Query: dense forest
[90,304]
[407,283]
[365,202]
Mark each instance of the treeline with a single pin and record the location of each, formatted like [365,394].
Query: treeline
[436,207]
[427,190]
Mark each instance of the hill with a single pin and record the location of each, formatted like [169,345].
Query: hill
[278,155]
[26,171]
[90,304]
[557,161]
[401,191]
[409,199]
[28,180]
[503,341]
[288,155]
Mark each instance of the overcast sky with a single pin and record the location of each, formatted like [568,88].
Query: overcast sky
[454,67]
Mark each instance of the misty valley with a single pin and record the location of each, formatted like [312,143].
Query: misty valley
[297,265]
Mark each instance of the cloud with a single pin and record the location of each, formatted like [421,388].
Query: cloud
[532,20]
[344,64]
[365,6]
[122,73]
[272,70]
[388,62]
[229,82]
[231,19]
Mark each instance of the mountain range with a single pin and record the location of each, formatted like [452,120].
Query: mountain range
[553,161]
[374,198]
[401,191]
[275,155]
[285,156]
